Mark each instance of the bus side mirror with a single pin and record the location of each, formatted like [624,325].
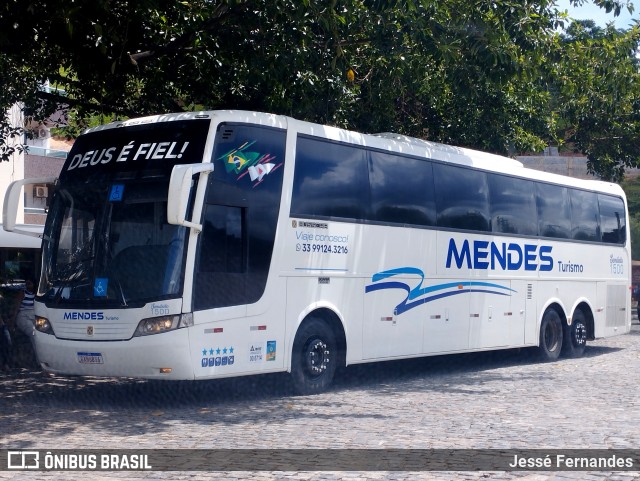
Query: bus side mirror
[12,199]
[180,191]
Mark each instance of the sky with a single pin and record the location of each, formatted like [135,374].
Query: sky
[589,11]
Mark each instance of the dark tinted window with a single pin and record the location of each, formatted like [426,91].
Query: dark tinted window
[223,251]
[401,190]
[222,267]
[554,211]
[343,181]
[330,180]
[584,215]
[513,205]
[240,216]
[462,197]
[612,219]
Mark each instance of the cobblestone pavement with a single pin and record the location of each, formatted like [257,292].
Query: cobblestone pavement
[490,400]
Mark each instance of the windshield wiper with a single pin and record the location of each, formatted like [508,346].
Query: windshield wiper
[66,283]
[121,291]
[68,274]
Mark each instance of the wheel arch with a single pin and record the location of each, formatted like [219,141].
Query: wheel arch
[558,306]
[329,314]
[550,332]
[586,309]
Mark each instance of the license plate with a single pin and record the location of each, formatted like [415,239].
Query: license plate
[90,358]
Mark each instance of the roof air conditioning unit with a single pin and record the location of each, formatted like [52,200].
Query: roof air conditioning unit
[42,191]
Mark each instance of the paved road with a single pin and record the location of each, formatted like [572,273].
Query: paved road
[489,400]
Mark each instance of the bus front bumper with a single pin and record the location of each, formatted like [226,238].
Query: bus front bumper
[158,356]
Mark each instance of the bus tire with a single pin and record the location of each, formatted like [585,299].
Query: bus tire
[314,357]
[550,335]
[575,336]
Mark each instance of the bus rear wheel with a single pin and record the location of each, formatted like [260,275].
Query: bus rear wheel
[575,336]
[550,335]
[314,357]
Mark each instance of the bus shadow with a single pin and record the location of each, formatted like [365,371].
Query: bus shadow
[33,386]
[35,401]
[462,367]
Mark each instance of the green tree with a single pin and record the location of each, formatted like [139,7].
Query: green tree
[463,74]
[635,236]
[477,73]
[597,83]
[631,188]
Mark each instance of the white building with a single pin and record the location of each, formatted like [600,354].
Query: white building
[43,158]
[20,255]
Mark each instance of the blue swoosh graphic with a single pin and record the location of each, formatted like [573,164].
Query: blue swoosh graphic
[420,295]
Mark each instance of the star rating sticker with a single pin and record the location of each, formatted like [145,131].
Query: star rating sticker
[211,352]
[218,351]
[224,351]
[204,352]
[231,350]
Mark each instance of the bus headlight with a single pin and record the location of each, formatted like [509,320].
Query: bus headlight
[156,325]
[42,324]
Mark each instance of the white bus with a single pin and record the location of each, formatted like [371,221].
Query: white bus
[19,255]
[227,243]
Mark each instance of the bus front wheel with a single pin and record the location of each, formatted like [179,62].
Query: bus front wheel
[550,335]
[575,336]
[314,357]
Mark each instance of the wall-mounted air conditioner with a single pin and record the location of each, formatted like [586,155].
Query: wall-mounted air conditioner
[40,133]
[41,191]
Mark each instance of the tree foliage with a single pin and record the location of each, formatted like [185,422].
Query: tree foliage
[631,188]
[597,81]
[490,74]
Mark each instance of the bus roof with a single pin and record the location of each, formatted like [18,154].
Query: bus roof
[384,141]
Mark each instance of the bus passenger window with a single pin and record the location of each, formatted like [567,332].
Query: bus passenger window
[330,180]
[612,219]
[554,211]
[513,205]
[462,198]
[406,199]
[584,216]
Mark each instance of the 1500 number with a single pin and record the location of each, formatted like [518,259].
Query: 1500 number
[322,248]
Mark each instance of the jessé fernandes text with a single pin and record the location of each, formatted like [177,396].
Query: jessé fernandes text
[561,461]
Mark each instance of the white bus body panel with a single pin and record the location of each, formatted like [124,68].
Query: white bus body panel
[505,312]
[138,357]
[240,340]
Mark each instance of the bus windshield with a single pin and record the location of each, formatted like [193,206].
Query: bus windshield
[107,240]
[112,245]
